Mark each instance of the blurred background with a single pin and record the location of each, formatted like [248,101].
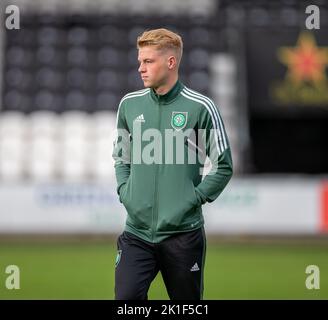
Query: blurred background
[62,75]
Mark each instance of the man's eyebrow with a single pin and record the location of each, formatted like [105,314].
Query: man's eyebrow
[145,59]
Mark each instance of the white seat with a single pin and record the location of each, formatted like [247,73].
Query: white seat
[73,164]
[223,63]
[76,5]
[12,145]
[74,139]
[12,124]
[103,133]
[43,123]
[75,124]
[101,162]
[42,158]
[223,88]
[12,158]
[201,8]
[104,124]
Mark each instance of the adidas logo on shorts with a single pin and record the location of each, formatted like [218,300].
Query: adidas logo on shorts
[195,267]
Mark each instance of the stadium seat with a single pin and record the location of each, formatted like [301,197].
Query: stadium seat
[73,145]
[103,133]
[15,76]
[43,124]
[75,124]
[77,36]
[73,164]
[108,78]
[77,56]
[223,63]
[51,56]
[12,157]
[43,150]
[199,80]
[198,58]
[108,56]
[16,100]
[199,36]
[134,80]
[223,67]
[101,162]
[42,156]
[104,124]
[77,78]
[12,124]
[106,100]
[18,56]
[76,100]
[45,100]
[49,78]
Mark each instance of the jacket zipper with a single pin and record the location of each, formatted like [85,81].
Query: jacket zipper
[155,215]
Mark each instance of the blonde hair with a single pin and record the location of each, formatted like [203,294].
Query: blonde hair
[162,39]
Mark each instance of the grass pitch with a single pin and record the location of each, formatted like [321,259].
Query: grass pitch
[85,270]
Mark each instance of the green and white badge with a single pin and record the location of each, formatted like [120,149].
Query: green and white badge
[179,120]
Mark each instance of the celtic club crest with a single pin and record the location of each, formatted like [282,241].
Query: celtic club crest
[179,120]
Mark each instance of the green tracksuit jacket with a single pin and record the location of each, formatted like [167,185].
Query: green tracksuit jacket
[162,194]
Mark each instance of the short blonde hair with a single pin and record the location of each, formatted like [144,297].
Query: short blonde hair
[162,39]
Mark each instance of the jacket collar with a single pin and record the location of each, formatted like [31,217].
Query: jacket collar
[169,96]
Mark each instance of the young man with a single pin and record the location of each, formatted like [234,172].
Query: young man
[160,131]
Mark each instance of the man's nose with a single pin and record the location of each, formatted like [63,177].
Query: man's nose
[141,68]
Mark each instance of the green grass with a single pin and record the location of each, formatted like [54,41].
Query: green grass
[232,271]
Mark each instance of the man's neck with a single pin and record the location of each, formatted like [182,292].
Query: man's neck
[167,87]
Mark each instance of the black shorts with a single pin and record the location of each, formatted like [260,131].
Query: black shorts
[180,258]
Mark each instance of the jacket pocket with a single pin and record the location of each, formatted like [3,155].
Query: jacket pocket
[179,210]
[196,199]
[187,202]
[137,205]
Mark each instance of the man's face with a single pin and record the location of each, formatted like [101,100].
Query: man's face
[153,66]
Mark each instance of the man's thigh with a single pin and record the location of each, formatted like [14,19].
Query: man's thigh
[135,269]
[182,259]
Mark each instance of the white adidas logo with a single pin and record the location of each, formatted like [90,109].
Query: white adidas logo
[140,118]
[195,267]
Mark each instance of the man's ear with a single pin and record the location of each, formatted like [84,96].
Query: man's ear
[171,62]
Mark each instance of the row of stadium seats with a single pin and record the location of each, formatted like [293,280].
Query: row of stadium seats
[91,60]
[172,7]
[93,35]
[62,63]
[44,146]
[48,92]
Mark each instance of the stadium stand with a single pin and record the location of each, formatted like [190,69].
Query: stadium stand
[72,61]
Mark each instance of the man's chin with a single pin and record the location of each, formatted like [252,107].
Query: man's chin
[147,84]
